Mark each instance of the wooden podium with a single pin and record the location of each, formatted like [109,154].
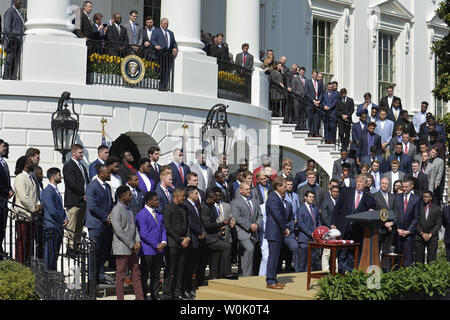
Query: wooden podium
[371,221]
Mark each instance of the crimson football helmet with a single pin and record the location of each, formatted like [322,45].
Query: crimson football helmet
[319,233]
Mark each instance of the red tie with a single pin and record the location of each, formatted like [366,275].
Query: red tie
[243,64]
[312,215]
[406,148]
[405,204]
[181,173]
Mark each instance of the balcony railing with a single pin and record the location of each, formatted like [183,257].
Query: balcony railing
[106,66]
[10,52]
[71,277]
[235,82]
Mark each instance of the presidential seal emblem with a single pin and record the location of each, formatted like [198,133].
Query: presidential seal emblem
[132,69]
[384,215]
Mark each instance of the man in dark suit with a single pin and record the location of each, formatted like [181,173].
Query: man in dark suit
[55,218]
[276,229]
[125,167]
[99,28]
[337,165]
[427,230]
[76,180]
[145,183]
[220,50]
[404,159]
[368,139]
[178,238]
[374,156]
[408,215]
[330,98]
[103,154]
[344,111]
[199,250]
[84,23]
[308,220]
[358,129]
[345,180]
[179,169]
[137,195]
[163,40]
[244,59]
[99,205]
[311,184]
[219,250]
[326,211]
[314,92]
[388,102]
[300,177]
[219,182]
[351,201]
[446,225]
[155,168]
[116,36]
[421,177]
[13,28]
[298,84]
[164,190]
[148,30]
[367,106]
[385,200]
[6,192]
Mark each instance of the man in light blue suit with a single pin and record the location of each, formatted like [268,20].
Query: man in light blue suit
[384,129]
[55,218]
[103,154]
[308,220]
[329,101]
[99,205]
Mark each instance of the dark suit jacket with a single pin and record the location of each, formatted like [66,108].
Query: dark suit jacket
[346,206]
[176,223]
[368,159]
[99,204]
[5,181]
[326,210]
[432,224]
[318,192]
[357,133]
[381,204]
[311,93]
[446,224]
[124,172]
[330,102]
[277,217]
[195,224]
[248,60]
[257,194]
[221,53]
[408,220]
[74,184]
[176,177]
[306,224]
[163,201]
[137,203]
[145,37]
[405,163]
[363,149]
[158,39]
[54,212]
[391,115]
[300,177]
[12,25]
[113,36]
[337,167]
[346,108]
[226,197]
[423,181]
[384,102]
[93,168]
[208,215]
[155,175]
[86,30]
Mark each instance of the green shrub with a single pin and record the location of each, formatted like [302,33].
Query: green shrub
[16,281]
[422,279]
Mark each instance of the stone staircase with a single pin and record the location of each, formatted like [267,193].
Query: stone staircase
[285,135]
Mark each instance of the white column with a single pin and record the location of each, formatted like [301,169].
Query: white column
[185,22]
[243,27]
[49,17]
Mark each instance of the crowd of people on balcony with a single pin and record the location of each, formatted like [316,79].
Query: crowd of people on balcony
[183,218]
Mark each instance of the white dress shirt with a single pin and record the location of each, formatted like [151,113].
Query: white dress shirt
[146,180]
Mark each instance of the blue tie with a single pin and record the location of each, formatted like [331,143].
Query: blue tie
[134,33]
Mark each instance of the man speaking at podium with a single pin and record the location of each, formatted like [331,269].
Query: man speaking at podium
[351,201]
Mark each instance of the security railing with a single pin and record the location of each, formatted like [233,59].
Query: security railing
[235,82]
[71,276]
[10,53]
[109,64]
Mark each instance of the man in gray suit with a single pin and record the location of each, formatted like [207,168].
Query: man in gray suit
[244,59]
[429,169]
[13,27]
[394,174]
[439,164]
[385,200]
[337,165]
[298,107]
[134,31]
[248,216]
[205,174]
[126,244]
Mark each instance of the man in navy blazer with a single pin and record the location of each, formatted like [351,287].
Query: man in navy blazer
[179,169]
[405,160]
[367,106]
[13,24]
[308,220]
[408,215]
[300,177]
[55,218]
[103,154]
[374,156]
[368,139]
[314,91]
[137,195]
[276,229]
[164,40]
[351,201]
[358,128]
[329,101]
[164,190]
[99,205]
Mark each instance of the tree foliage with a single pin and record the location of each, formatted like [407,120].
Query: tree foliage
[441,49]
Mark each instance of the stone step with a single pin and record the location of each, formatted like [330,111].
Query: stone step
[300,134]
[326,147]
[277,120]
[287,127]
[313,141]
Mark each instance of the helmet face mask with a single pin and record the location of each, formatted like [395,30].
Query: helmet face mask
[319,233]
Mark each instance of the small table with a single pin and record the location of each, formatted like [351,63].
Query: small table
[392,257]
[333,247]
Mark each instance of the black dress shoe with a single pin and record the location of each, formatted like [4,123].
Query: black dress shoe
[231,276]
